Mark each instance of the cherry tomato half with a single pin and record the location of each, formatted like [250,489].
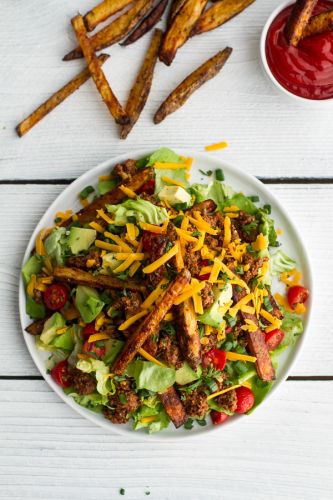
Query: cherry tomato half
[245,399]
[88,330]
[218,417]
[215,357]
[273,339]
[297,295]
[56,296]
[60,374]
[92,347]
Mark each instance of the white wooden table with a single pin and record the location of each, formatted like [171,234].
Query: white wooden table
[46,450]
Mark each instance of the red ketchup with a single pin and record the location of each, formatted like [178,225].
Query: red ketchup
[305,70]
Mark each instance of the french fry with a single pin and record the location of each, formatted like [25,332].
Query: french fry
[113,197]
[319,24]
[151,322]
[180,29]
[194,81]
[174,9]
[188,333]
[116,30]
[298,19]
[139,93]
[104,281]
[218,14]
[102,11]
[173,406]
[56,99]
[36,327]
[147,24]
[97,74]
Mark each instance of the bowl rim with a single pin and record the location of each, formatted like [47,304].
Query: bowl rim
[93,174]
[319,103]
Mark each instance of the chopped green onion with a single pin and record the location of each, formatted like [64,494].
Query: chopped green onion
[178,220]
[122,491]
[254,198]
[267,304]
[86,192]
[230,320]
[240,367]
[202,422]
[208,173]
[213,387]
[188,424]
[219,174]
[267,208]
[122,398]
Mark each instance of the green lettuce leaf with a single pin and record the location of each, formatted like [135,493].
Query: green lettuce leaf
[151,407]
[93,402]
[280,262]
[212,315]
[266,227]
[292,326]
[51,326]
[150,376]
[216,191]
[112,348]
[105,384]
[33,309]
[106,186]
[88,303]
[162,155]
[55,358]
[186,374]
[142,210]
[56,246]
[32,266]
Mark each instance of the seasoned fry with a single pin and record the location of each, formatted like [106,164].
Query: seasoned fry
[151,322]
[188,333]
[276,310]
[174,9]
[180,29]
[218,14]
[297,21]
[97,74]
[173,406]
[148,23]
[79,277]
[102,11]
[36,327]
[57,98]
[141,88]
[116,30]
[185,89]
[319,24]
[113,197]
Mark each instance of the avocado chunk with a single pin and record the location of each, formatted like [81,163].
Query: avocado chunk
[80,239]
[88,303]
[51,326]
[185,374]
[213,316]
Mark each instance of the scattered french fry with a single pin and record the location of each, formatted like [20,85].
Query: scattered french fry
[173,406]
[103,11]
[56,99]
[195,80]
[116,30]
[219,14]
[298,19]
[188,333]
[174,9]
[141,88]
[319,24]
[97,73]
[180,29]
[147,24]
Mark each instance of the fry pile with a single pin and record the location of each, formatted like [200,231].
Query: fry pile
[302,24]
[129,21]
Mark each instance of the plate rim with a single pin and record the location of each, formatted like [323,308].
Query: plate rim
[91,416]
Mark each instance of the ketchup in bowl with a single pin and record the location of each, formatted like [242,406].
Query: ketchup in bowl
[305,70]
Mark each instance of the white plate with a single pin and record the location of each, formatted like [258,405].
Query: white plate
[240,181]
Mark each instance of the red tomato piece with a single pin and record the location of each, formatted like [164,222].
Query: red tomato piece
[203,277]
[88,330]
[228,329]
[147,238]
[218,417]
[273,339]
[204,262]
[148,187]
[56,296]
[215,357]
[60,374]
[92,347]
[245,399]
[297,295]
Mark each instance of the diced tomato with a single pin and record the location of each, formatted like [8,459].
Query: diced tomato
[91,347]
[245,399]
[148,187]
[147,238]
[228,329]
[218,417]
[88,330]
[60,374]
[204,262]
[297,295]
[215,357]
[56,296]
[203,277]
[273,339]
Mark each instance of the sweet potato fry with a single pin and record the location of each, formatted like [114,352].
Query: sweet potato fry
[97,74]
[147,24]
[174,9]
[298,19]
[180,29]
[79,277]
[319,24]
[139,93]
[102,11]
[218,14]
[151,322]
[185,89]
[57,98]
[173,406]
[188,333]
[113,197]
[36,327]
[116,30]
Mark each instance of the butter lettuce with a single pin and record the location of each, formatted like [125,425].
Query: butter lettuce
[280,262]
[151,407]
[150,376]
[141,210]
[88,303]
[216,191]
[56,246]
[163,155]
[51,326]
[33,266]
[292,326]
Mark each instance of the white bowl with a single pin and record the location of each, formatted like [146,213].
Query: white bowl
[312,103]
[240,181]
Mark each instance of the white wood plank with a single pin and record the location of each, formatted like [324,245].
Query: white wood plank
[22,207]
[283,451]
[268,136]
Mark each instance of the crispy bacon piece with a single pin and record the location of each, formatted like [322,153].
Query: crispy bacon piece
[173,406]
[188,333]
[298,19]
[151,323]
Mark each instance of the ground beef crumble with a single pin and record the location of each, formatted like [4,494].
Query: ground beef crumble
[169,352]
[121,403]
[125,170]
[207,295]
[83,383]
[196,404]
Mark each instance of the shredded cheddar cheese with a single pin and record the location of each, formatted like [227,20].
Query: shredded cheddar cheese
[261,243]
[169,166]
[186,236]
[162,260]
[216,146]
[218,393]
[98,336]
[234,356]
[155,294]
[134,256]
[197,301]
[118,240]
[172,181]
[227,231]
[102,215]
[154,229]
[125,265]
[189,292]
[179,258]
[217,266]
[126,324]
[129,192]
[108,246]
[134,267]
[97,227]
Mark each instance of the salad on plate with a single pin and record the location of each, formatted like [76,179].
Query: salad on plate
[162,301]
